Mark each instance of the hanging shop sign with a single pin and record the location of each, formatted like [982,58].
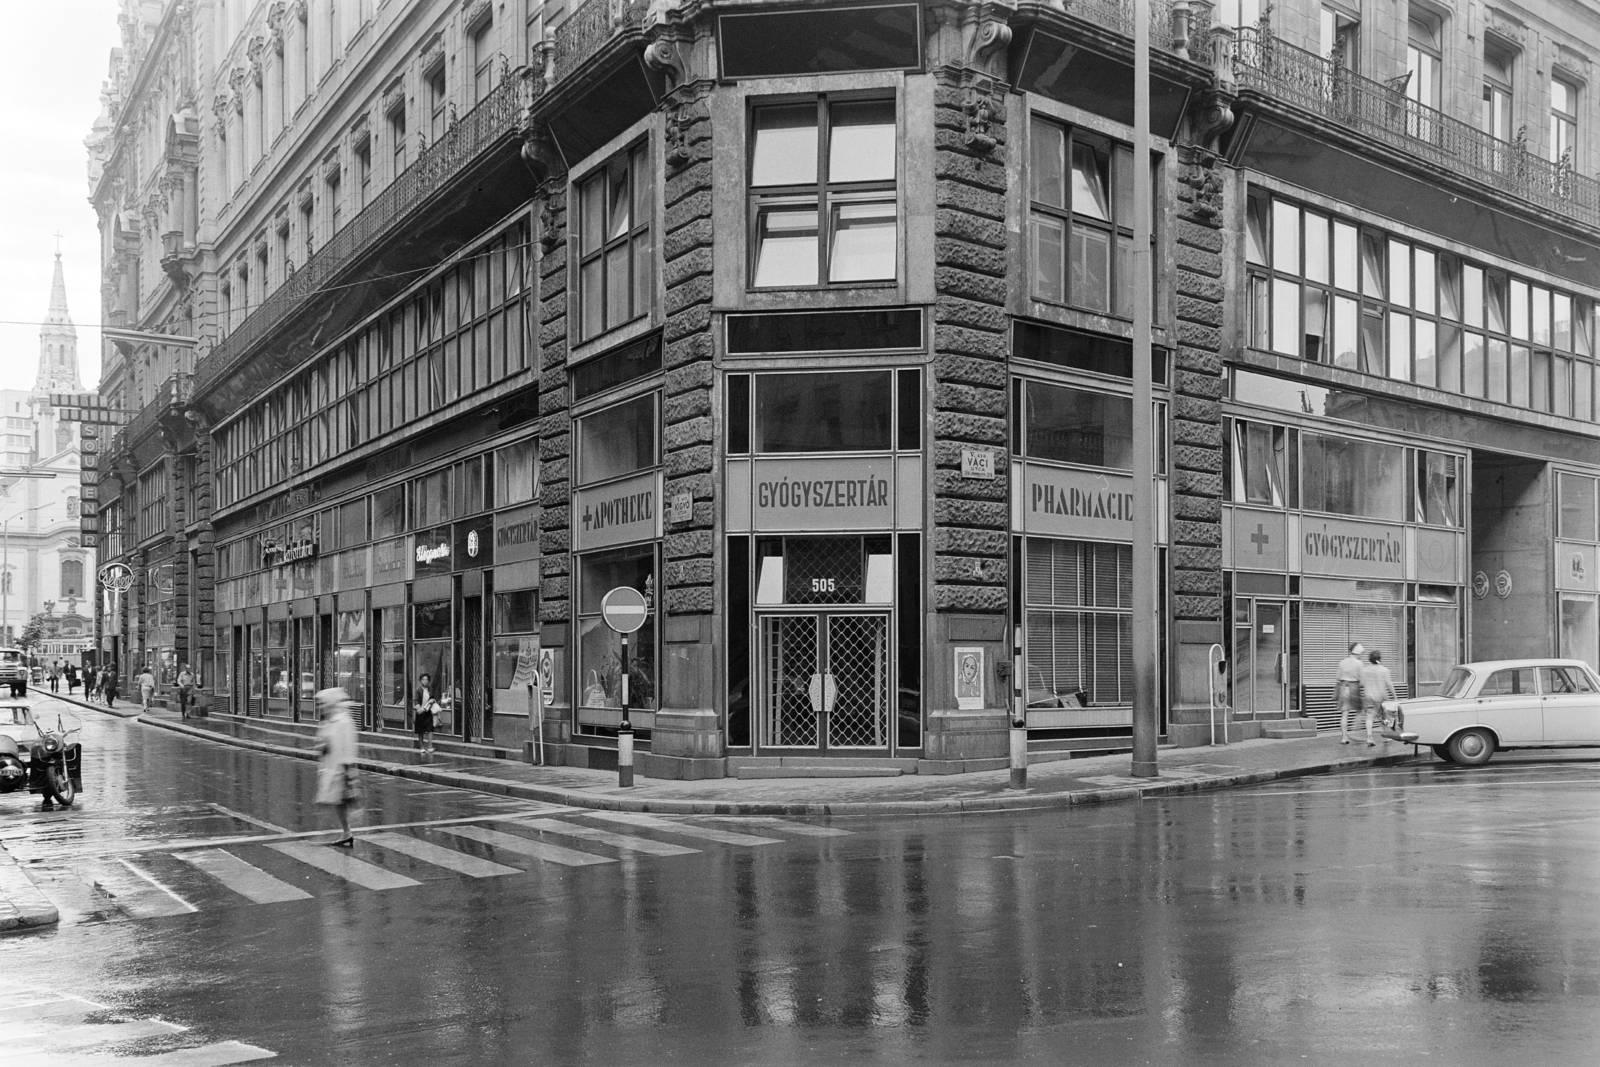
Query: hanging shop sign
[844,493]
[617,513]
[433,551]
[1352,549]
[516,534]
[474,543]
[1067,502]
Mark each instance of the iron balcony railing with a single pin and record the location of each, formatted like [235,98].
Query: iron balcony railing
[588,28]
[1382,112]
[1117,15]
[175,390]
[495,117]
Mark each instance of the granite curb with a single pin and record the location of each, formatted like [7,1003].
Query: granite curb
[22,905]
[679,806]
[132,711]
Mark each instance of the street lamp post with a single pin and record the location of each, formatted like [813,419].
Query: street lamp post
[1146,706]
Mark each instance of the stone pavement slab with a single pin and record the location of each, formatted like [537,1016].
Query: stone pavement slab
[22,905]
[1060,783]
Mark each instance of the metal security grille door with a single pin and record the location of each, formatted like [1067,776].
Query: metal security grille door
[830,669]
[472,675]
[788,661]
[858,659]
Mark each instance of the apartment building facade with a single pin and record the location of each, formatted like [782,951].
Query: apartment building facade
[812,322]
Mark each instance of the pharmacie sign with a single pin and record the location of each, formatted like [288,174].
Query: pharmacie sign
[617,513]
[1066,502]
[843,493]
[1352,549]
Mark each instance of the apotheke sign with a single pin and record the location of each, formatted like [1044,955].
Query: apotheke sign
[617,513]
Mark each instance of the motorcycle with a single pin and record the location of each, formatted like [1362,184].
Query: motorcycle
[45,757]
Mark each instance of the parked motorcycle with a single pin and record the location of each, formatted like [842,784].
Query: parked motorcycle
[43,755]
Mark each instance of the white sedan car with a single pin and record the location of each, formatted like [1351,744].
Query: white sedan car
[1512,703]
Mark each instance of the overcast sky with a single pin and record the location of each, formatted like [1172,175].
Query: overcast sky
[53,60]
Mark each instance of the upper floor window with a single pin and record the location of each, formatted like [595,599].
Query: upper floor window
[1081,223]
[1423,52]
[1497,69]
[1338,29]
[1563,120]
[614,246]
[619,440]
[482,62]
[397,138]
[822,189]
[436,104]
[71,578]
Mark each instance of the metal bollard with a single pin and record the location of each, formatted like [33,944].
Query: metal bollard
[1019,713]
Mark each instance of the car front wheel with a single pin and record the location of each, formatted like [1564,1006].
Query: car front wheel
[1471,748]
[1443,752]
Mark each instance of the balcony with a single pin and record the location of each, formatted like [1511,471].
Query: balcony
[1117,16]
[1313,83]
[588,29]
[494,121]
[174,391]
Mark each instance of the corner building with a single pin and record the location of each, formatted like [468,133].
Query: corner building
[812,323]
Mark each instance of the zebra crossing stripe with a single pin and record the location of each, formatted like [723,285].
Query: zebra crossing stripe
[428,852]
[19,1042]
[705,833]
[523,846]
[606,837]
[248,881]
[217,1055]
[136,892]
[357,872]
[48,1009]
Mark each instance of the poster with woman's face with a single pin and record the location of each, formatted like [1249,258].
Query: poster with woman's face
[969,678]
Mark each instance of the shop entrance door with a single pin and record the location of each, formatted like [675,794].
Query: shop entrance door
[825,681]
[472,727]
[1261,657]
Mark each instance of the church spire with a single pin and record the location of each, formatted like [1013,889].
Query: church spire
[58,342]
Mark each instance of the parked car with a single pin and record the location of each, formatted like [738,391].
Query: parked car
[1513,703]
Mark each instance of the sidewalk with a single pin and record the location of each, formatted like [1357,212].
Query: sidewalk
[1056,784]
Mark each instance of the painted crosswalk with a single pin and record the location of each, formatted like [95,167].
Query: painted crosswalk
[184,878]
[66,1030]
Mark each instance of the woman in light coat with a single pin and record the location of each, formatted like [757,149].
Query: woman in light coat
[337,785]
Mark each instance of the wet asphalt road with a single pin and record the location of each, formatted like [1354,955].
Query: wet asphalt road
[1401,915]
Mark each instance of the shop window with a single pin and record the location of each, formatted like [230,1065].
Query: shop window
[822,180]
[350,663]
[1078,598]
[392,662]
[852,412]
[516,612]
[599,647]
[1345,476]
[1077,426]
[432,660]
[824,570]
[615,257]
[1263,466]
[1081,224]
[618,440]
[469,493]
[1438,489]
[516,473]
[1577,522]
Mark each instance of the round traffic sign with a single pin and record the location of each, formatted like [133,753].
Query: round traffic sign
[624,609]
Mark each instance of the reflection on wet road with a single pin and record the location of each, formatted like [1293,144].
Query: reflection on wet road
[1396,915]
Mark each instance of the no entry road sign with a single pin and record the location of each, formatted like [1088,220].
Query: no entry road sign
[624,609]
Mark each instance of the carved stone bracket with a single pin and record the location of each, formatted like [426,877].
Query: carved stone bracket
[275,17]
[236,80]
[677,142]
[550,234]
[1212,111]
[662,55]
[539,151]
[219,106]
[985,108]
[255,50]
[1198,171]
[986,31]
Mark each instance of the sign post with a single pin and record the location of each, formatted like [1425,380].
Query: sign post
[624,610]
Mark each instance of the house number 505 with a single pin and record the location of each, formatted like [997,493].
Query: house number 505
[822,585]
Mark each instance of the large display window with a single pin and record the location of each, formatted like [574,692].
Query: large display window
[599,668]
[433,660]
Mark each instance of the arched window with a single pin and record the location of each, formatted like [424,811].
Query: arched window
[71,578]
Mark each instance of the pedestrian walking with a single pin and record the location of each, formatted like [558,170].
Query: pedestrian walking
[72,678]
[185,691]
[425,714]
[108,685]
[55,677]
[337,784]
[147,687]
[1349,689]
[1376,687]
